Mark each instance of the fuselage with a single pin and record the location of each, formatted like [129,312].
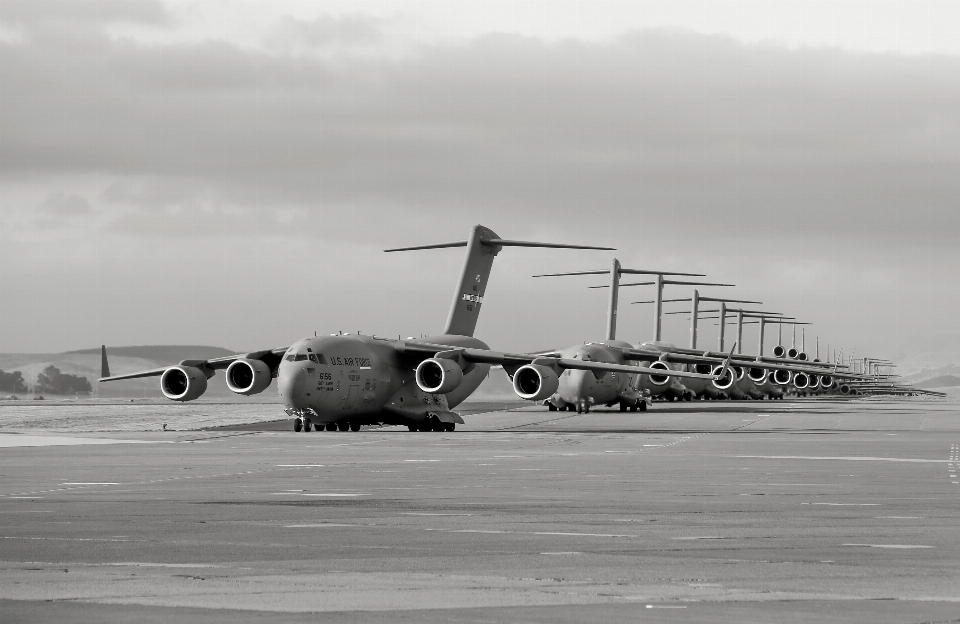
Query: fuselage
[583,388]
[363,379]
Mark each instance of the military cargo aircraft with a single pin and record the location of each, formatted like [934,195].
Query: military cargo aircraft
[342,382]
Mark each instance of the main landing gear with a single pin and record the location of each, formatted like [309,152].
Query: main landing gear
[433,424]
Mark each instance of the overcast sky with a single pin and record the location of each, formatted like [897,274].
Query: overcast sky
[228,173]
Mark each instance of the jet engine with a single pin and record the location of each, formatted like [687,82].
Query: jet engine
[792,353]
[439,375]
[659,380]
[845,388]
[535,382]
[826,382]
[779,351]
[781,377]
[724,382]
[183,383]
[802,356]
[813,382]
[248,376]
[801,381]
[757,375]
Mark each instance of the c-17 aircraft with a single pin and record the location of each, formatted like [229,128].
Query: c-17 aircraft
[346,381]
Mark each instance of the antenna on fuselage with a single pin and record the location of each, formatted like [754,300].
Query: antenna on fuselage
[482,247]
[615,272]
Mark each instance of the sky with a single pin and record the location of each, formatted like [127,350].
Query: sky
[228,173]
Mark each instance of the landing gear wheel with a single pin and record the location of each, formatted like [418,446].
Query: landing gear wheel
[412,428]
[579,408]
[307,425]
[354,426]
[450,427]
[342,426]
[642,406]
[331,427]
[297,425]
[623,406]
[551,407]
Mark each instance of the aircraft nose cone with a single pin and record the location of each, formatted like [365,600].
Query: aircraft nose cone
[291,385]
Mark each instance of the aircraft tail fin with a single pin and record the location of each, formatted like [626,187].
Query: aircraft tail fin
[482,247]
[104,366]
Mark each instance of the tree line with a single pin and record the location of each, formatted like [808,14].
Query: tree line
[50,381]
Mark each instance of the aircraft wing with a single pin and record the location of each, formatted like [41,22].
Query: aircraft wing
[270,356]
[686,357]
[516,360]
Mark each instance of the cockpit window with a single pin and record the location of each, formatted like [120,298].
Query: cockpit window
[313,358]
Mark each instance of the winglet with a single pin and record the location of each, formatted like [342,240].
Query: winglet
[726,363]
[104,367]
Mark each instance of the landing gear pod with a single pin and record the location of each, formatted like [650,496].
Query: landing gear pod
[781,377]
[439,375]
[779,351]
[757,375]
[534,382]
[659,380]
[248,377]
[801,381]
[183,383]
[724,382]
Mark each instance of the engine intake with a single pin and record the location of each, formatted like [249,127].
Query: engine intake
[183,383]
[779,351]
[534,382]
[757,375]
[813,382]
[724,382]
[246,377]
[439,375]
[802,356]
[801,381]
[826,382]
[659,380]
[792,353]
[781,377]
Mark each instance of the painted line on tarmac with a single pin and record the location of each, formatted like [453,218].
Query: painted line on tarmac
[819,458]
[897,546]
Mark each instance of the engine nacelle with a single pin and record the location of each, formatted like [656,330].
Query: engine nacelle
[659,380]
[813,382]
[248,377]
[439,375]
[826,382]
[781,377]
[183,383]
[534,382]
[802,356]
[800,381]
[779,351]
[845,388]
[792,353]
[757,375]
[724,382]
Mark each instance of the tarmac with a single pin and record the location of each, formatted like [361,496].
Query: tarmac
[811,510]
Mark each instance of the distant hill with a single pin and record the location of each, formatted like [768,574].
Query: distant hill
[943,381]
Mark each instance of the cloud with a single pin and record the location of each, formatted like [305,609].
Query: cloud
[66,205]
[44,13]
[654,128]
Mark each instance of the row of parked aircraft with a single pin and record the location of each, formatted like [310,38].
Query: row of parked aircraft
[343,382]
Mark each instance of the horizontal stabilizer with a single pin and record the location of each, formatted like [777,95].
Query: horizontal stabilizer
[622,272]
[435,246]
[513,243]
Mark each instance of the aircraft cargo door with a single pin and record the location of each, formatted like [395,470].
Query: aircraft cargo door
[351,399]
